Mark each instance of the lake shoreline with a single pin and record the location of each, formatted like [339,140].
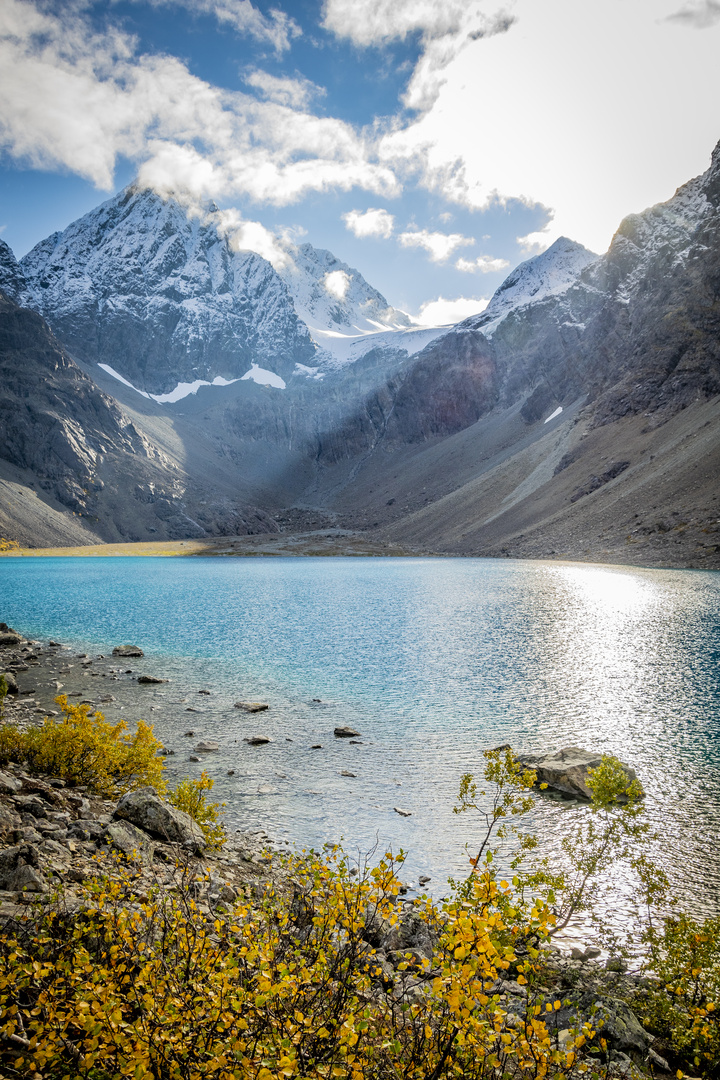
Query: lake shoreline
[340,543]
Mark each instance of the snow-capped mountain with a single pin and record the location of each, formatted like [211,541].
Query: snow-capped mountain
[161,298]
[343,313]
[548,274]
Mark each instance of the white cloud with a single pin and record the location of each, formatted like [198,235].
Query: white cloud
[700,15]
[439,246]
[530,115]
[370,223]
[296,93]
[446,28]
[277,29]
[73,99]
[251,236]
[442,312]
[484,264]
[337,283]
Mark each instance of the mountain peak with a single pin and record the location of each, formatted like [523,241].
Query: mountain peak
[547,274]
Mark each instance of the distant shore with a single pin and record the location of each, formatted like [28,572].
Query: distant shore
[330,542]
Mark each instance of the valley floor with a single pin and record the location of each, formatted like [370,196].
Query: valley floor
[331,542]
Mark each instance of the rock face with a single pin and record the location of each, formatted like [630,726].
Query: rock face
[145,809]
[567,770]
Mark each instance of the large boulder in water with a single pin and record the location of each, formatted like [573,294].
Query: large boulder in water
[567,770]
[149,812]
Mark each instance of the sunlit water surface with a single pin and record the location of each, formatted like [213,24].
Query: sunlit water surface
[433,661]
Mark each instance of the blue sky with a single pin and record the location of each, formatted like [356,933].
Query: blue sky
[432,144]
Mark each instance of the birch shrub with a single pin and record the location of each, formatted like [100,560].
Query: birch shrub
[81,747]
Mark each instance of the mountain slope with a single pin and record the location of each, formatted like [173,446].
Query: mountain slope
[85,467]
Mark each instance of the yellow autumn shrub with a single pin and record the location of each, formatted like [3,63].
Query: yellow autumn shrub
[189,795]
[147,986]
[81,747]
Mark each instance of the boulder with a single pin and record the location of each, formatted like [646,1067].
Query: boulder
[144,808]
[31,785]
[20,870]
[8,638]
[9,785]
[410,932]
[403,813]
[11,681]
[257,740]
[131,841]
[150,680]
[127,650]
[207,746]
[612,1020]
[251,706]
[346,733]
[567,770]
[9,822]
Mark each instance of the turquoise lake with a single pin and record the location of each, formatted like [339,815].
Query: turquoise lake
[431,660]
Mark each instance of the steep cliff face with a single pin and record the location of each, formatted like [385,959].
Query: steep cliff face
[638,329]
[12,279]
[53,420]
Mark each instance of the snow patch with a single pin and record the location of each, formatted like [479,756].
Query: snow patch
[347,348]
[182,390]
[553,415]
[263,377]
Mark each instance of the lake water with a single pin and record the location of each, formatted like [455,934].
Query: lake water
[432,660]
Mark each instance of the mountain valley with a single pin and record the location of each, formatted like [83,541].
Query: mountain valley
[161,383]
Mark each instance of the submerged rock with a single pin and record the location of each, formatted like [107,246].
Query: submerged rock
[251,706]
[567,770]
[147,680]
[207,746]
[346,733]
[257,740]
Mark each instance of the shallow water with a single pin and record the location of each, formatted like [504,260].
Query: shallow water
[432,660]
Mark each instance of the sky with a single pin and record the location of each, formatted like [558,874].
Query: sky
[431,144]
